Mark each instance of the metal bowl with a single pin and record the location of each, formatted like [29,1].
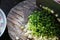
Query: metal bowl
[3,22]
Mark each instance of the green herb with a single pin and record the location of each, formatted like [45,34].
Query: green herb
[43,23]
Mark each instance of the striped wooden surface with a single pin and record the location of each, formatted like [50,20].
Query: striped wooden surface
[18,17]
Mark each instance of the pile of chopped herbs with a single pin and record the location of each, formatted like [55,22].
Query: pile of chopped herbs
[43,23]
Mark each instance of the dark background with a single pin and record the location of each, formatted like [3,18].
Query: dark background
[50,4]
[6,5]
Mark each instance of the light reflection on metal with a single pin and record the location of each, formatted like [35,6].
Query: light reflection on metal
[58,1]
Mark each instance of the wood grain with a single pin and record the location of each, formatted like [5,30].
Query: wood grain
[18,17]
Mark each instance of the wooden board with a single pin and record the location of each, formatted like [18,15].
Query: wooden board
[18,17]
